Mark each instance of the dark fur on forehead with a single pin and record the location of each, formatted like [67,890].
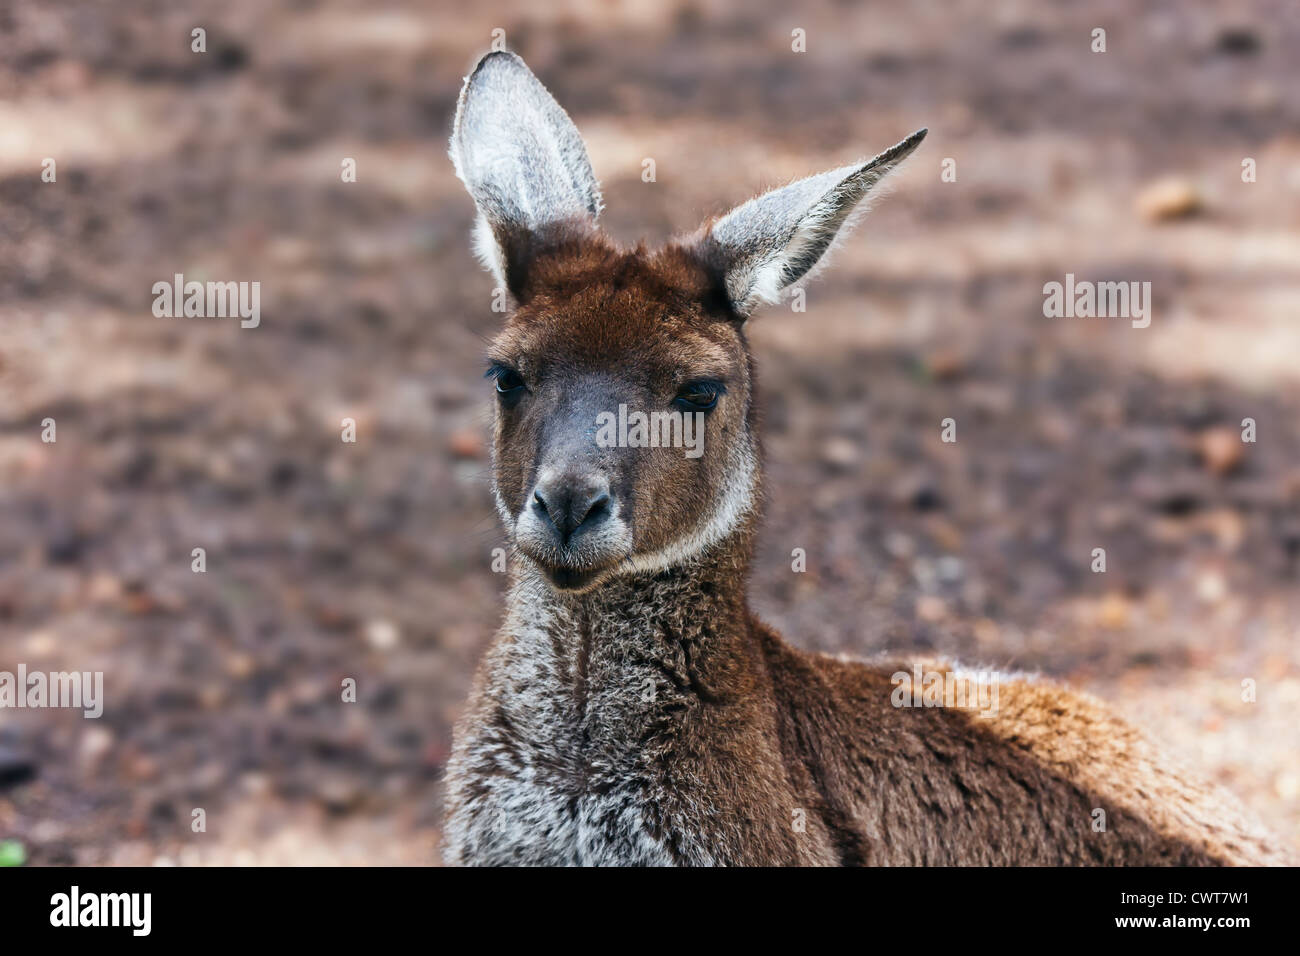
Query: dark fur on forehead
[575,261]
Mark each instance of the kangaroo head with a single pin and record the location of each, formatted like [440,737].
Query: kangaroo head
[625,433]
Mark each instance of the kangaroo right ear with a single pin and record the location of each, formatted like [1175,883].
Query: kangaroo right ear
[525,165]
[762,247]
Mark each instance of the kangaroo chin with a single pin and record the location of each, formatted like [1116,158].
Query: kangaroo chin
[631,710]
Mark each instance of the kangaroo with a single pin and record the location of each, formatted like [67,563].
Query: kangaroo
[631,709]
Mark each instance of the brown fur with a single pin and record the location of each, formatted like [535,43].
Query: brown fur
[742,731]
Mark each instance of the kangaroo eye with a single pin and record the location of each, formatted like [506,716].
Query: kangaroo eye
[508,380]
[510,385]
[698,396]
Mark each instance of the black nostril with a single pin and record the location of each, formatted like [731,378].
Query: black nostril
[597,508]
[539,501]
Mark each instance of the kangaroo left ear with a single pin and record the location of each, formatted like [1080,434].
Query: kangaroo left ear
[524,163]
[762,247]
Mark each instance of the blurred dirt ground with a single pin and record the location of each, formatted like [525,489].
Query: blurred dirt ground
[372,561]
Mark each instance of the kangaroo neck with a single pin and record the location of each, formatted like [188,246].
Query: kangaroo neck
[638,639]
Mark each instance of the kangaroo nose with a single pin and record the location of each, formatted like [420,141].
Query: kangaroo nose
[571,503]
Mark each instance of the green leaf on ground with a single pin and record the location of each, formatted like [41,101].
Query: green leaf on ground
[12,853]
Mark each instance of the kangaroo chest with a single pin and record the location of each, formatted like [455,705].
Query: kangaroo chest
[570,760]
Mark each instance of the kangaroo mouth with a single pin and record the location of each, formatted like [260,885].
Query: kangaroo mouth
[578,564]
[565,574]
[571,579]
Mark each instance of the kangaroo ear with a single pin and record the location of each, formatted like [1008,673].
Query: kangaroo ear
[525,165]
[760,248]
